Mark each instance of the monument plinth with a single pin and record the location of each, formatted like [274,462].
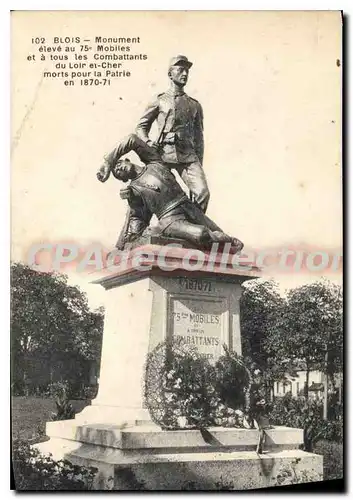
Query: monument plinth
[145,305]
[148,305]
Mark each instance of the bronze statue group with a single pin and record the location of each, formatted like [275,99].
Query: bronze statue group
[153,188]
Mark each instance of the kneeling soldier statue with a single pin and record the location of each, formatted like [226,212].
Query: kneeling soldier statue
[154,190]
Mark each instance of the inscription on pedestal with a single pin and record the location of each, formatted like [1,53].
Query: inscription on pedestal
[195,284]
[199,320]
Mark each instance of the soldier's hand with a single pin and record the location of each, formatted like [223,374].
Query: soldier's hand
[104,172]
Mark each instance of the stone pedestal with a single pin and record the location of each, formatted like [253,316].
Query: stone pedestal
[148,305]
[124,349]
[145,306]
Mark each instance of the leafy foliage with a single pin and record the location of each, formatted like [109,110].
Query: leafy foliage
[307,415]
[260,309]
[51,320]
[261,304]
[89,392]
[303,329]
[309,327]
[333,458]
[60,392]
[34,471]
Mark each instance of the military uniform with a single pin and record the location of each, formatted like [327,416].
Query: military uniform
[180,123]
[156,191]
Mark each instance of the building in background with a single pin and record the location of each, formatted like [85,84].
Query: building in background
[296,384]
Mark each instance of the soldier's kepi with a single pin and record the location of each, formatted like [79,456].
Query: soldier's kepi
[180,131]
[154,190]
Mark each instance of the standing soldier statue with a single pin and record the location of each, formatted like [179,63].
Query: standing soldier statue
[180,137]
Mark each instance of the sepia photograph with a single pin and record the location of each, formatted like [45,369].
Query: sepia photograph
[177,250]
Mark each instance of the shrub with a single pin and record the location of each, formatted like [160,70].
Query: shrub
[89,392]
[333,430]
[307,415]
[60,392]
[34,471]
[333,458]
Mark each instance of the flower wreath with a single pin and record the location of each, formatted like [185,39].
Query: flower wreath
[183,390]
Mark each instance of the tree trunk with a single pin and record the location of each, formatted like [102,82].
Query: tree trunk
[268,390]
[306,386]
[51,371]
[325,388]
[340,390]
[331,379]
[25,385]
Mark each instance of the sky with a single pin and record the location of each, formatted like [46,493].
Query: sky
[270,87]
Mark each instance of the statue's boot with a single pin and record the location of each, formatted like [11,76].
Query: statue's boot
[221,237]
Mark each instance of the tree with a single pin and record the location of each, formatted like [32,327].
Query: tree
[88,337]
[50,318]
[261,307]
[310,329]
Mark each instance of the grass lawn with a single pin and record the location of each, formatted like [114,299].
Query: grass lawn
[29,415]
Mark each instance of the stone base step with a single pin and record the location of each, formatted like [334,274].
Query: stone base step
[136,470]
[146,457]
[152,437]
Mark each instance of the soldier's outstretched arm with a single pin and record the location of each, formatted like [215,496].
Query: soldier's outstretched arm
[145,152]
[125,146]
[130,143]
[145,123]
